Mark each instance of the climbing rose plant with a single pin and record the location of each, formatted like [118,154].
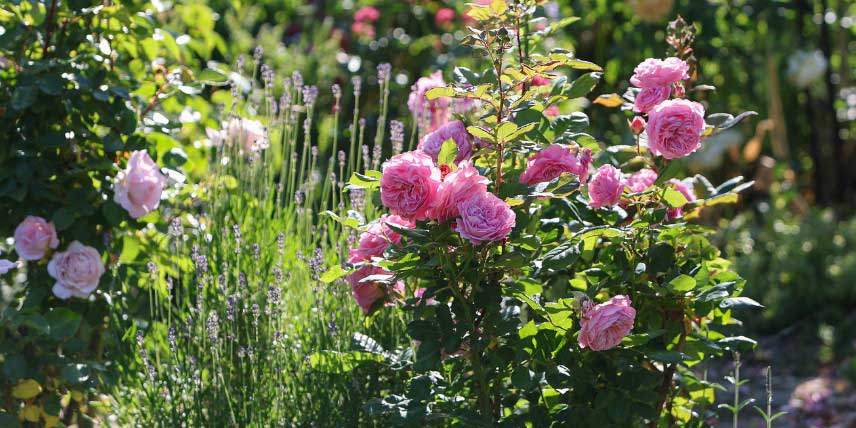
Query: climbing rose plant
[550,277]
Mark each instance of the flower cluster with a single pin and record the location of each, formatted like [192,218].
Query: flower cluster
[78,269]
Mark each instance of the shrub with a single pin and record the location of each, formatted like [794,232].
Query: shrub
[529,286]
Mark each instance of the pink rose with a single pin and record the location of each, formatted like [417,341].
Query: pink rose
[368,293]
[674,128]
[484,217]
[444,16]
[408,184]
[553,161]
[637,126]
[363,29]
[604,325]
[435,111]
[641,180]
[76,270]
[377,238]
[685,190]
[649,97]
[455,130]
[138,188]
[605,187]
[659,72]
[367,14]
[33,237]
[463,184]
[540,81]
[551,112]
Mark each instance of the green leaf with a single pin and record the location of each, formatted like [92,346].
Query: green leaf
[682,283]
[505,130]
[64,323]
[583,85]
[369,180]
[671,170]
[674,198]
[333,274]
[435,93]
[448,153]
[51,84]
[23,97]
[562,256]
[579,64]
[480,133]
[668,357]
[740,303]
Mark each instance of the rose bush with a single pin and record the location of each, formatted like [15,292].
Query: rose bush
[575,298]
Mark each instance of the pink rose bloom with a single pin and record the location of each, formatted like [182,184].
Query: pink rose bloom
[685,190]
[585,165]
[444,16]
[367,293]
[33,237]
[138,188]
[6,266]
[363,29]
[459,186]
[367,14]
[377,238]
[408,184]
[605,187]
[551,112]
[436,111]
[674,128]
[637,125]
[76,271]
[540,81]
[550,163]
[641,180]
[455,130]
[604,325]
[659,72]
[484,217]
[649,97]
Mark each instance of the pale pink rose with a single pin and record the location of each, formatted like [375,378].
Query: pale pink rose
[553,161]
[444,16]
[76,270]
[377,238]
[408,184]
[604,325]
[138,188]
[685,190]
[659,72]
[674,128]
[247,134]
[421,292]
[457,132]
[484,217]
[33,237]
[649,97]
[367,14]
[435,111]
[605,187]
[641,180]
[458,186]
[368,293]
[6,266]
